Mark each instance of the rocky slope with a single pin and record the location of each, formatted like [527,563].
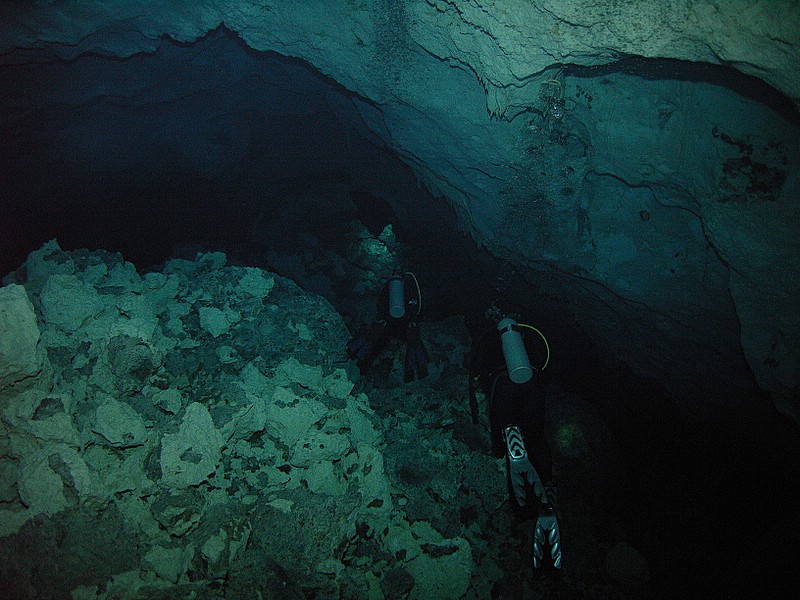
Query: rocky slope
[194,431]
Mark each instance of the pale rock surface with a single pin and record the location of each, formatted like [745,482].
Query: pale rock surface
[191,455]
[119,425]
[21,357]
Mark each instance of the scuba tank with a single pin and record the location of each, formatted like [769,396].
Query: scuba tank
[397,297]
[517,362]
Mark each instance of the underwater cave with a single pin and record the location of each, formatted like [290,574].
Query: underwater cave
[639,209]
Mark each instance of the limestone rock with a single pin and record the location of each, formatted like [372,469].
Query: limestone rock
[318,447]
[443,570]
[249,420]
[67,303]
[441,567]
[189,456]
[292,370]
[21,357]
[169,563]
[40,265]
[119,425]
[116,472]
[290,418]
[169,400]
[255,284]
[8,475]
[40,488]
[227,355]
[223,547]
[214,320]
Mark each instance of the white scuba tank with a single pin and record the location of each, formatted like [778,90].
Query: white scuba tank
[517,362]
[397,298]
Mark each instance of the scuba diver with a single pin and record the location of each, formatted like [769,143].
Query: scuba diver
[397,312]
[499,363]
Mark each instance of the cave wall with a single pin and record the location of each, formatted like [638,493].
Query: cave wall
[664,207]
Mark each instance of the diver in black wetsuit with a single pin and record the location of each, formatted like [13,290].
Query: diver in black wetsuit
[499,363]
[396,312]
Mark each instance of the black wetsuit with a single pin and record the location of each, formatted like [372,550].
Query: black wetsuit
[364,348]
[519,404]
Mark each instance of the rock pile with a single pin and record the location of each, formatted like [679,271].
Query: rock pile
[188,431]
[198,432]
